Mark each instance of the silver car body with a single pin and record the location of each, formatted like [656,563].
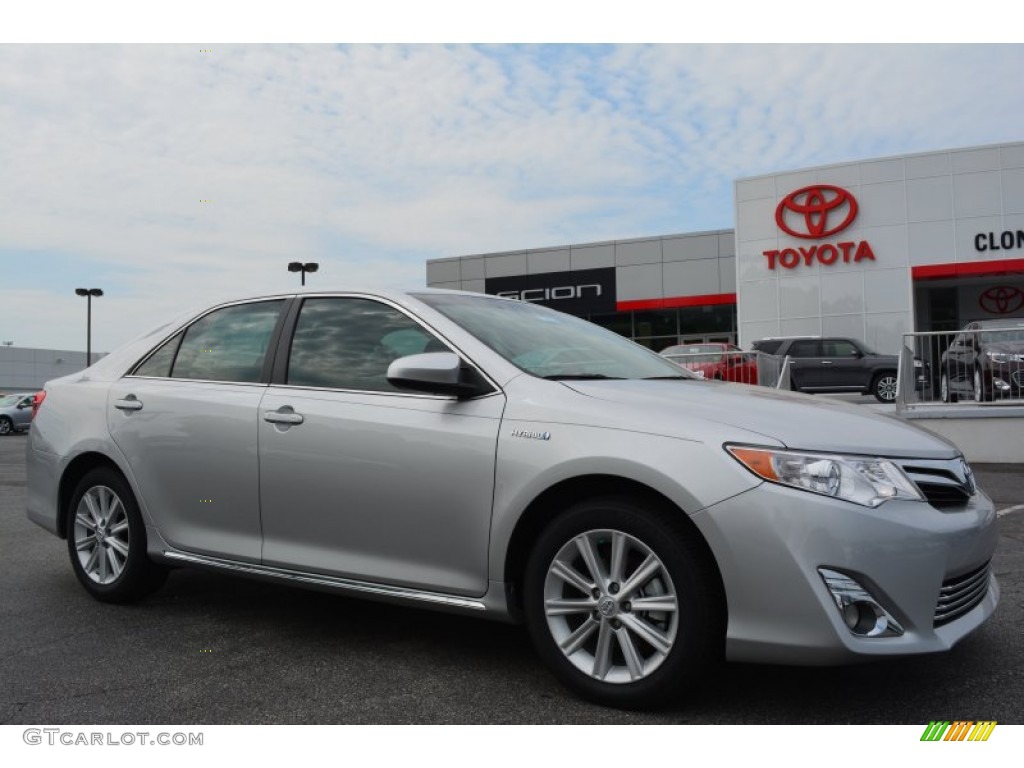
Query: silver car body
[16,410]
[426,498]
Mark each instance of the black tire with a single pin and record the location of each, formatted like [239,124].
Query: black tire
[6,426]
[978,387]
[138,576]
[883,387]
[692,638]
[945,391]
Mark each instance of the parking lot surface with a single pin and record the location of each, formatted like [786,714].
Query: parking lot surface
[211,649]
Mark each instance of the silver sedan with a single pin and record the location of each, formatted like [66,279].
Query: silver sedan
[487,456]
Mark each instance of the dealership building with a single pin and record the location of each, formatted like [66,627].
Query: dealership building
[870,250]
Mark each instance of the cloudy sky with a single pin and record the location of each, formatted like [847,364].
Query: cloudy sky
[171,176]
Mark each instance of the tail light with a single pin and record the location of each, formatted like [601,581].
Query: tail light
[37,400]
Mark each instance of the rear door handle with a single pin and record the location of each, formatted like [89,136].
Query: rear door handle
[129,403]
[277,417]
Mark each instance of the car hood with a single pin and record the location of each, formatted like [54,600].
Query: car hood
[795,420]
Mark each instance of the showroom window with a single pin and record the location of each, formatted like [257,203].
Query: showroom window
[228,344]
[348,343]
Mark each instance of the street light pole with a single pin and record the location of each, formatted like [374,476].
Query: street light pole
[298,266]
[88,293]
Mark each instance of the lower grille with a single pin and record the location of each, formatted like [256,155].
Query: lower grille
[959,595]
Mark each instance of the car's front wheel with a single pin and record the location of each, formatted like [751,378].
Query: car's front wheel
[980,395]
[107,540]
[884,387]
[945,393]
[623,607]
[6,426]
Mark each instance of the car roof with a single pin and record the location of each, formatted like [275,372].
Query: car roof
[1017,322]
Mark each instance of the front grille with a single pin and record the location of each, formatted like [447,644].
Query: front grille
[962,593]
[942,483]
[1017,377]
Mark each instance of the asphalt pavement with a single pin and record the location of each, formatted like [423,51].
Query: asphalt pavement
[212,649]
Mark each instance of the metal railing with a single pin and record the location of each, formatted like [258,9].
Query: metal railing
[975,368]
[737,366]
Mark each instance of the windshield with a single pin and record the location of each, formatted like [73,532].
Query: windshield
[551,344]
[995,337]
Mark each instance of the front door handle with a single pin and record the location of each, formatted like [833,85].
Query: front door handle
[283,417]
[826,362]
[129,403]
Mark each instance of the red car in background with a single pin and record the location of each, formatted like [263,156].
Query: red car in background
[725,362]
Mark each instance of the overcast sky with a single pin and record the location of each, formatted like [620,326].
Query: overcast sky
[171,177]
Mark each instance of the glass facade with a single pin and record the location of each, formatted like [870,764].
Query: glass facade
[660,328]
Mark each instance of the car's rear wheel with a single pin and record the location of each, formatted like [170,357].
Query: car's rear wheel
[884,387]
[6,426]
[625,609]
[107,540]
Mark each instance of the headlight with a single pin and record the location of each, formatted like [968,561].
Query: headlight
[862,480]
[999,357]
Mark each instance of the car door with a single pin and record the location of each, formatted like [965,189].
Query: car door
[361,480]
[805,363]
[186,421]
[843,365]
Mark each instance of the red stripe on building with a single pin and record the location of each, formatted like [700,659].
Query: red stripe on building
[967,269]
[706,300]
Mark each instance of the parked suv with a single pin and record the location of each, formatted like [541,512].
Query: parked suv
[835,365]
[495,458]
[984,362]
[15,412]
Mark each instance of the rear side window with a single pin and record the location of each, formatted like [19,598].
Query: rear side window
[159,363]
[229,344]
[348,343]
[807,348]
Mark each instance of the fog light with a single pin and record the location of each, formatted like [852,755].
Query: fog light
[999,383]
[861,613]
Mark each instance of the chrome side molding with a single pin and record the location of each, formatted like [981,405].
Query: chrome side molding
[331,582]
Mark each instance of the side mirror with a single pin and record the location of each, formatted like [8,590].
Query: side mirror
[439,373]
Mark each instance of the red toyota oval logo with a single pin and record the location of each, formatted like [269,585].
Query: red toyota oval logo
[817,211]
[1001,299]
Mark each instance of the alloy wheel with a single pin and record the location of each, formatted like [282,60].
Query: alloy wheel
[611,606]
[101,534]
[885,389]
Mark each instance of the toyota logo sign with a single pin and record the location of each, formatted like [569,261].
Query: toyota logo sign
[815,212]
[1001,300]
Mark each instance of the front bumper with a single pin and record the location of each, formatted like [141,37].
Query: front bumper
[770,542]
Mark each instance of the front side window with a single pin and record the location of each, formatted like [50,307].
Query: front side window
[348,343]
[839,348]
[228,344]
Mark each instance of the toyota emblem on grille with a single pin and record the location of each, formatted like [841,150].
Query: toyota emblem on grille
[817,211]
[1001,299]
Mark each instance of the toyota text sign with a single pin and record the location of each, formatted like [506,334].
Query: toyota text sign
[815,213]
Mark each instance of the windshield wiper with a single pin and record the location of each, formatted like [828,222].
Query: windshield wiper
[578,376]
[659,378]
